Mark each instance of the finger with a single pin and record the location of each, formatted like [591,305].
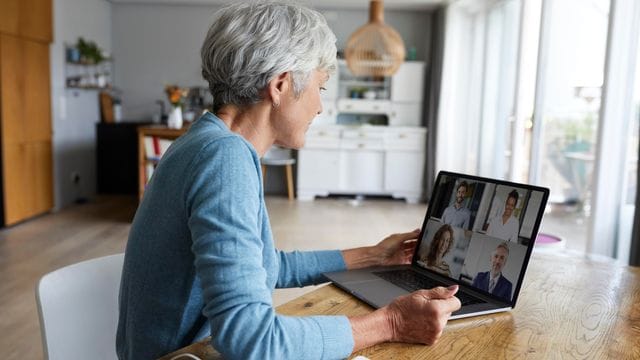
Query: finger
[409,245]
[411,235]
[451,304]
[442,292]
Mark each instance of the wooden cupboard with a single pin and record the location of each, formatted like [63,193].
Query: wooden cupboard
[29,19]
[25,109]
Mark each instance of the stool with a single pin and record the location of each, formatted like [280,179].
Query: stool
[548,241]
[277,156]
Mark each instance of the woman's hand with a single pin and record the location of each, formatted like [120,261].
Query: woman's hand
[395,249]
[419,317]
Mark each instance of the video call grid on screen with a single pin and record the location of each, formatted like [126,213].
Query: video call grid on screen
[473,213]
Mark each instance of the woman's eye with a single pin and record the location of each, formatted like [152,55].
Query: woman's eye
[322,89]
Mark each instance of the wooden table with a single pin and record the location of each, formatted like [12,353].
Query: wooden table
[570,307]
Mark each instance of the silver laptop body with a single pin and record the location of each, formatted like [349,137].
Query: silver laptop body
[491,226]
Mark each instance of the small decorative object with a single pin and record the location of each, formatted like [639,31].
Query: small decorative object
[375,49]
[175,118]
[176,97]
[369,94]
[89,52]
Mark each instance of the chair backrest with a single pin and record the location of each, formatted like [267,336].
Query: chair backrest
[277,156]
[78,309]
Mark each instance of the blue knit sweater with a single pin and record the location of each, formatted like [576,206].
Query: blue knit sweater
[200,261]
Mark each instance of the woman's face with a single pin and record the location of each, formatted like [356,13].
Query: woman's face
[444,242]
[294,115]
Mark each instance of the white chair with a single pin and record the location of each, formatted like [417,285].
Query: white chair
[78,309]
[277,156]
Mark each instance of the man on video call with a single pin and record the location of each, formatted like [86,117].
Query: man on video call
[456,214]
[493,281]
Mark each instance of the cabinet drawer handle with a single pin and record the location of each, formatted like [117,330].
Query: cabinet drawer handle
[322,133]
[348,106]
[402,136]
[360,146]
[376,107]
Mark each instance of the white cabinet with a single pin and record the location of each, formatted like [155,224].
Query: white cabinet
[405,114]
[398,98]
[407,84]
[365,160]
[404,162]
[318,170]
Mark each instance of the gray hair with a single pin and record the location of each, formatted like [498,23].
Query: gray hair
[251,43]
[504,245]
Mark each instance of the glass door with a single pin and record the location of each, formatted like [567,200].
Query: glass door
[570,72]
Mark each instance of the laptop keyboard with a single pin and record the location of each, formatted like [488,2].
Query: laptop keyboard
[412,281]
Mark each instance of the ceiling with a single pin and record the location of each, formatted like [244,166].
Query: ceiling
[323,4]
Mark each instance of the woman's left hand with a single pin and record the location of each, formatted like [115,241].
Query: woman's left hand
[397,249]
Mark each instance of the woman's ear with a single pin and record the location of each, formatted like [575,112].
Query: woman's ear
[278,87]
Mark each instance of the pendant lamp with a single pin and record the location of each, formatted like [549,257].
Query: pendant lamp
[375,49]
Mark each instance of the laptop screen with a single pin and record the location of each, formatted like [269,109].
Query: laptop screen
[480,232]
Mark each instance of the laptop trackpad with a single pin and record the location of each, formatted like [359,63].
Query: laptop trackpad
[376,293]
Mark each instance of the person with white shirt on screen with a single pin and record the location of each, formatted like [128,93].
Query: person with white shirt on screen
[506,226]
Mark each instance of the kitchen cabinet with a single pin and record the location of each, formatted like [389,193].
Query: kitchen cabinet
[397,98]
[345,154]
[364,160]
[29,19]
[25,121]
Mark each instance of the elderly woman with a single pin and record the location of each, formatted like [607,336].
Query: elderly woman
[439,247]
[200,259]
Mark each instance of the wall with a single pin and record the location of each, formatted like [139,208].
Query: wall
[155,45]
[75,113]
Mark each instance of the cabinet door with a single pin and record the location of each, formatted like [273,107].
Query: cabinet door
[404,171]
[318,169]
[37,108]
[361,171]
[34,20]
[407,84]
[406,114]
[9,17]
[39,189]
[26,128]
[11,90]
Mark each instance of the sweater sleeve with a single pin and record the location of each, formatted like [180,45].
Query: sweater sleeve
[299,268]
[222,198]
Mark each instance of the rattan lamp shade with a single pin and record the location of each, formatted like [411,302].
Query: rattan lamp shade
[375,49]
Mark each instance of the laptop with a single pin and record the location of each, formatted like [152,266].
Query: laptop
[478,233]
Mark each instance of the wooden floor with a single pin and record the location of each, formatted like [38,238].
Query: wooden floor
[36,247]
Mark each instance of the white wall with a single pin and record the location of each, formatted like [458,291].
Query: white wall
[154,45]
[75,113]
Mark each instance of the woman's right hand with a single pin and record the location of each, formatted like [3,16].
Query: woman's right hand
[420,317]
